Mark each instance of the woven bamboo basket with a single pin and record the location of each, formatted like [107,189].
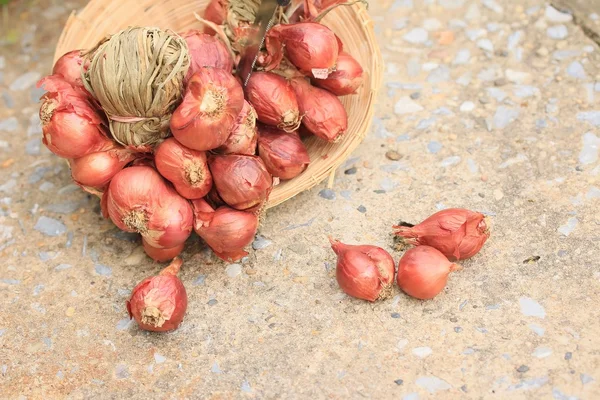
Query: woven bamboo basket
[352,24]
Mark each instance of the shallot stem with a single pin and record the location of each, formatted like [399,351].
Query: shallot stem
[350,3]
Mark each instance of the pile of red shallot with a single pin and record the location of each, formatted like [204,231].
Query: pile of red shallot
[228,143]
[367,272]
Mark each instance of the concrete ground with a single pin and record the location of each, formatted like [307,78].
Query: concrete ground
[492,105]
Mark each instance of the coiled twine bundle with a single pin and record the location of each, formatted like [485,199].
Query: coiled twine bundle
[137,77]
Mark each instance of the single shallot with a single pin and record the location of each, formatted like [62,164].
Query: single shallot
[242,181]
[212,102]
[323,113]
[365,272]
[456,232]
[139,200]
[158,303]
[162,255]
[185,168]
[71,126]
[284,154]
[95,170]
[310,46]
[206,51]
[70,66]
[226,231]
[423,272]
[243,136]
[346,79]
[274,100]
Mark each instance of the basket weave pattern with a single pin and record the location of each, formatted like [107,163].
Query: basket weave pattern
[352,24]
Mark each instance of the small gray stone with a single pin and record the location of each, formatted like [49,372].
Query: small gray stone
[9,125]
[405,105]
[450,161]
[246,387]
[497,94]
[103,270]
[122,371]
[553,15]
[260,243]
[416,36]
[67,207]
[439,75]
[327,194]
[215,368]
[124,324]
[402,4]
[569,227]
[531,308]
[486,44]
[199,281]
[585,379]
[493,5]
[432,383]
[462,57]
[25,81]
[593,193]
[593,117]
[46,186]
[557,32]
[362,209]
[524,91]
[50,226]
[565,54]
[8,186]
[10,281]
[568,355]
[422,352]
[505,116]
[62,267]
[426,123]
[576,70]
[538,330]
[452,4]
[589,150]
[233,270]
[434,147]
[542,352]
[523,368]
[212,302]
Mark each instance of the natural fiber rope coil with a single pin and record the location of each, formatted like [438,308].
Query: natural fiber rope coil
[137,76]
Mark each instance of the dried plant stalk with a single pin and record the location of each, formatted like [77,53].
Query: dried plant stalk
[137,76]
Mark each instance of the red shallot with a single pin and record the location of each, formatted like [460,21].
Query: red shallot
[226,231]
[323,113]
[95,170]
[284,154]
[243,136]
[423,272]
[242,181]
[139,200]
[71,126]
[206,51]
[162,255]
[158,303]
[274,101]
[310,46]
[346,79]
[456,232]
[365,272]
[70,66]
[185,168]
[212,102]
